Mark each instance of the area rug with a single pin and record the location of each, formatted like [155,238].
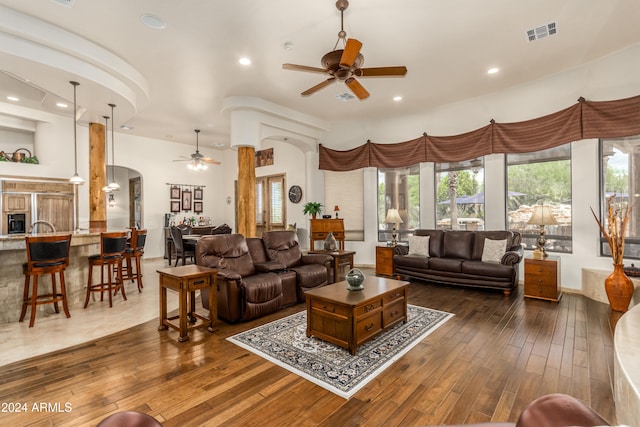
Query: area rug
[285,343]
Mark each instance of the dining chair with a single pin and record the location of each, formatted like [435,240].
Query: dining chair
[183,251]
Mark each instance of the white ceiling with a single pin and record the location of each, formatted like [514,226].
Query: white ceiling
[168,82]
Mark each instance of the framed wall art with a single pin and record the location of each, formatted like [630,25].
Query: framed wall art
[186,200]
[197,207]
[197,194]
[175,192]
[175,206]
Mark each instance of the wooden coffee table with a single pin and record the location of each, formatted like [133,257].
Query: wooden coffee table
[350,318]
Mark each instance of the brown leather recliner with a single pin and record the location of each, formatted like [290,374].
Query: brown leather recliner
[311,270]
[263,264]
[243,292]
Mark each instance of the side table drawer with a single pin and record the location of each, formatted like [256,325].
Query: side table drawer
[199,282]
[540,290]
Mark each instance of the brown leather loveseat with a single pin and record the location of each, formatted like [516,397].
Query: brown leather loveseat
[486,259]
[250,283]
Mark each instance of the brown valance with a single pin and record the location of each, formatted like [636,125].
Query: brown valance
[584,120]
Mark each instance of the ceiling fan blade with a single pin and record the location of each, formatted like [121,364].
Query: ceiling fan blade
[357,89]
[295,67]
[350,53]
[318,86]
[210,160]
[181,160]
[381,71]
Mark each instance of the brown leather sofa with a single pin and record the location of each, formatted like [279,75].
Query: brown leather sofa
[251,283]
[456,258]
[551,410]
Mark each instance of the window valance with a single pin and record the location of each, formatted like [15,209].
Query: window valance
[584,120]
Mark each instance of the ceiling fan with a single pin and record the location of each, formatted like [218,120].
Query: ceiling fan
[198,161]
[344,64]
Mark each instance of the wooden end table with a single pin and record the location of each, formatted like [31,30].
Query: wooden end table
[185,280]
[350,318]
[339,258]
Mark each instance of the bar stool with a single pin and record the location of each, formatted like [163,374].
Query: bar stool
[133,253]
[45,255]
[112,247]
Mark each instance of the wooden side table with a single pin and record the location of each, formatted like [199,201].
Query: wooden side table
[340,258]
[384,260]
[185,280]
[542,278]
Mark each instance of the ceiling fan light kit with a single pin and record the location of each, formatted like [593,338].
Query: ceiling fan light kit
[197,161]
[345,64]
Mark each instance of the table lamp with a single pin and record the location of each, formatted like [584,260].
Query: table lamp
[393,217]
[542,216]
[336,208]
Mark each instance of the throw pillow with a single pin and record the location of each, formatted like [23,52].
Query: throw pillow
[419,245]
[493,250]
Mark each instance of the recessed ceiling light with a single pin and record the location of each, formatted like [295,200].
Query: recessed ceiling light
[288,46]
[13,98]
[219,144]
[244,61]
[61,105]
[493,70]
[397,98]
[153,21]
[126,127]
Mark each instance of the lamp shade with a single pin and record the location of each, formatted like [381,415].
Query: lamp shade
[393,217]
[336,208]
[542,215]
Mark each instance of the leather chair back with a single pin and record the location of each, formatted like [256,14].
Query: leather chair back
[283,247]
[228,251]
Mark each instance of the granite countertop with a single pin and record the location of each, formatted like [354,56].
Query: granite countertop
[9,242]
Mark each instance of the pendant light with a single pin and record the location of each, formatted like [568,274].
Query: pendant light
[112,201]
[113,185]
[75,179]
[106,188]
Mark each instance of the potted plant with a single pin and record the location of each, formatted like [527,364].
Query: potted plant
[618,286]
[312,208]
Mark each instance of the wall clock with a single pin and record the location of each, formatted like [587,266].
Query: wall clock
[295,193]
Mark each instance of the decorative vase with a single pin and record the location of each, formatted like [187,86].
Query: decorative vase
[330,243]
[619,289]
[355,280]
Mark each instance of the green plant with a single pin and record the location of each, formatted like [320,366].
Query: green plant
[312,208]
[33,160]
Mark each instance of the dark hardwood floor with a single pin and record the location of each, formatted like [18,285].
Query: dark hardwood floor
[487,363]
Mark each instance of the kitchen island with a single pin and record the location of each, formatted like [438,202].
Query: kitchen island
[13,254]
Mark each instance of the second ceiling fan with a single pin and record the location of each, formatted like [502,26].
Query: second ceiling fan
[344,64]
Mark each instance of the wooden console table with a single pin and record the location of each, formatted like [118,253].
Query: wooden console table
[350,318]
[320,229]
[185,280]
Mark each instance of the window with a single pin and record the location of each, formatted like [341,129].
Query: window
[399,188]
[540,178]
[620,159]
[346,191]
[460,195]
[271,212]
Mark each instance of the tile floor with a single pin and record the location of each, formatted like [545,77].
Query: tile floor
[55,331]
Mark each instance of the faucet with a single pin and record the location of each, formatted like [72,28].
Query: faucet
[42,221]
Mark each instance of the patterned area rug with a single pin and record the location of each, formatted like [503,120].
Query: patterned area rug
[285,343]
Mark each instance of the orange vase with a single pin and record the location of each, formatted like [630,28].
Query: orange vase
[619,289]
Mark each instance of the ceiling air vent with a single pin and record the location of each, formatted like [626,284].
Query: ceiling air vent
[542,31]
[344,97]
[67,3]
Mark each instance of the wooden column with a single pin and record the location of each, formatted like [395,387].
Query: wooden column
[246,191]
[97,178]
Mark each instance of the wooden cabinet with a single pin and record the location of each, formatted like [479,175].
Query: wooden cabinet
[384,260]
[57,209]
[16,202]
[320,229]
[542,278]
